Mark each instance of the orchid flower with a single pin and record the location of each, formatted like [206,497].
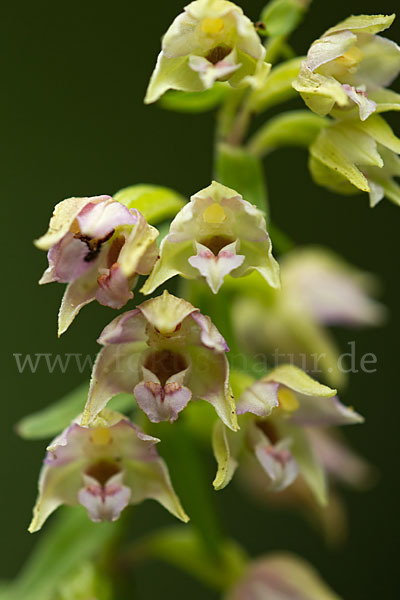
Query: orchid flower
[285,404]
[350,156]
[212,40]
[165,353]
[99,247]
[349,66]
[280,576]
[216,234]
[104,467]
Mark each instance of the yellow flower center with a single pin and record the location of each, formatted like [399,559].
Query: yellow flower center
[101,436]
[287,400]
[212,26]
[214,214]
[351,58]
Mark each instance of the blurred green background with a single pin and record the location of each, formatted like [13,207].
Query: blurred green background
[72,123]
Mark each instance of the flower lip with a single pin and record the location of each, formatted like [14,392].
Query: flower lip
[164,364]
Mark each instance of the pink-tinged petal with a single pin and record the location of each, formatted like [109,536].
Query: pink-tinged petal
[329,289]
[259,399]
[339,460]
[98,220]
[114,288]
[215,268]
[278,464]
[162,403]
[63,217]
[209,72]
[281,577]
[126,328]
[116,370]
[66,260]
[207,334]
[365,106]
[322,412]
[104,503]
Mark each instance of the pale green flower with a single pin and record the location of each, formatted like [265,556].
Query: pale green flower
[350,66]
[212,40]
[218,233]
[104,467]
[349,156]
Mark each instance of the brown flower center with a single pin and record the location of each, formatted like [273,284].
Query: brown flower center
[164,364]
[93,244]
[102,471]
[215,243]
[218,53]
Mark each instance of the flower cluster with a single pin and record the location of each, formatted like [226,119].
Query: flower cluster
[276,427]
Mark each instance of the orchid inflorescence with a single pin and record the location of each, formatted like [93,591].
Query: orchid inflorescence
[188,358]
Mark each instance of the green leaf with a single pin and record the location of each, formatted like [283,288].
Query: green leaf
[156,203]
[281,17]
[243,172]
[51,420]
[278,87]
[195,102]
[294,128]
[71,540]
[183,548]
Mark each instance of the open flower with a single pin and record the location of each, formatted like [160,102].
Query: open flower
[350,156]
[103,467]
[99,247]
[285,404]
[348,67]
[212,40]
[280,577]
[217,233]
[319,289]
[166,353]
[342,467]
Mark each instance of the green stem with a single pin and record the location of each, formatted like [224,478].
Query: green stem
[191,481]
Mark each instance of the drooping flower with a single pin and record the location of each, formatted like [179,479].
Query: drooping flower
[349,66]
[166,353]
[99,247]
[342,467]
[212,40]
[285,404]
[217,233]
[349,156]
[280,577]
[104,467]
[319,289]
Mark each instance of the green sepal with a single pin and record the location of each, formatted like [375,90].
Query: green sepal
[226,446]
[243,172]
[49,421]
[156,203]
[195,102]
[183,548]
[281,17]
[294,128]
[278,87]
